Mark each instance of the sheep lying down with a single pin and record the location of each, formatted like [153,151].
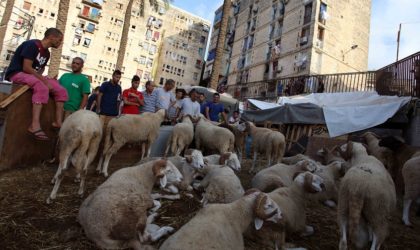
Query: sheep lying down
[114,216]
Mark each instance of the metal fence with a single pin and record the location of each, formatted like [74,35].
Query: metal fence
[401,78]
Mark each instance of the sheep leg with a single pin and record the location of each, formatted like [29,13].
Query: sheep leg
[135,244]
[330,203]
[143,150]
[53,194]
[165,196]
[343,229]
[101,160]
[253,163]
[309,230]
[112,150]
[156,207]
[82,181]
[406,212]
[155,236]
[374,245]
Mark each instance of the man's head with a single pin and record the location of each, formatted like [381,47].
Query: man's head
[169,85]
[77,65]
[96,90]
[53,37]
[149,86]
[135,82]
[179,93]
[201,97]
[193,95]
[116,76]
[216,97]
[235,114]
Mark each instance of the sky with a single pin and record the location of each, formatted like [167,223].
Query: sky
[385,18]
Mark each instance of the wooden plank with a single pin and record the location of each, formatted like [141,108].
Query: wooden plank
[14,96]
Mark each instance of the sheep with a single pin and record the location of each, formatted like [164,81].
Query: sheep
[294,159]
[182,136]
[115,215]
[239,131]
[129,129]
[266,141]
[79,138]
[220,226]
[221,185]
[367,194]
[408,158]
[187,165]
[211,137]
[292,201]
[280,175]
[383,154]
[227,159]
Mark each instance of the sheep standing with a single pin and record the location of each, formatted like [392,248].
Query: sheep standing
[79,138]
[130,129]
[408,158]
[115,215]
[239,131]
[264,140]
[220,226]
[367,193]
[280,175]
[211,137]
[182,136]
[221,185]
[292,201]
[385,155]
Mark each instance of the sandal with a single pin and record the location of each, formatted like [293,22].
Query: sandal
[39,135]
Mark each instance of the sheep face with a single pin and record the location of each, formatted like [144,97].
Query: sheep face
[231,160]
[312,183]
[166,172]
[307,165]
[195,158]
[391,142]
[266,209]
[241,127]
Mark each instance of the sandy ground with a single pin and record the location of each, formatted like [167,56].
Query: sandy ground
[27,222]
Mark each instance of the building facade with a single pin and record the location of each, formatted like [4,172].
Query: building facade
[93,32]
[285,38]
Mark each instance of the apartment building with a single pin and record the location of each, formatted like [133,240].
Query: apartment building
[283,38]
[93,32]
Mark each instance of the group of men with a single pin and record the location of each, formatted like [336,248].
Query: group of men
[71,91]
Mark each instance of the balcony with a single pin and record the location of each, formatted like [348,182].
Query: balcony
[92,4]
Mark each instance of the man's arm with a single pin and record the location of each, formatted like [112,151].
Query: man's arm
[98,102]
[224,116]
[207,112]
[84,101]
[27,68]
[127,102]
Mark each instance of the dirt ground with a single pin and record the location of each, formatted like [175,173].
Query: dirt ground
[27,222]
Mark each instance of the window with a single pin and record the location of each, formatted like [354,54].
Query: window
[40,11]
[85,11]
[148,34]
[133,27]
[195,76]
[146,46]
[139,72]
[321,34]
[90,27]
[251,41]
[119,6]
[304,36]
[82,24]
[83,56]
[152,49]
[308,13]
[118,22]
[86,42]
[146,75]
[142,60]
[27,5]
[149,62]
[52,14]
[77,39]
[201,52]
[9,55]
[323,13]
[202,39]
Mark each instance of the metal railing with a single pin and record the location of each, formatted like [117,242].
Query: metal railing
[401,78]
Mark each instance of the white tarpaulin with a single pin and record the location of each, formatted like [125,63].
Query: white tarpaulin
[263,105]
[353,111]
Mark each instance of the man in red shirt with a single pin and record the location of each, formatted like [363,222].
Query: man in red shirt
[133,99]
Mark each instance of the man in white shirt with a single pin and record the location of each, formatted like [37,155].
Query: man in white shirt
[164,96]
[190,106]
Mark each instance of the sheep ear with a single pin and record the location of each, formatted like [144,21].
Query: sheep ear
[206,161]
[163,181]
[188,158]
[258,223]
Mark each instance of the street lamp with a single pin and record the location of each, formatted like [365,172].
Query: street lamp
[399,36]
[351,48]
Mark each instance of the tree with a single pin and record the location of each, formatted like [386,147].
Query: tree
[220,47]
[126,28]
[63,10]
[5,20]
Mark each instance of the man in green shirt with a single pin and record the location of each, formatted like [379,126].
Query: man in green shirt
[77,86]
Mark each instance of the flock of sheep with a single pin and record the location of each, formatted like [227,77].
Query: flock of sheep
[356,179]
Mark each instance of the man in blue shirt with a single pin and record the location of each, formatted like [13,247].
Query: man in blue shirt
[203,103]
[109,97]
[215,108]
[149,96]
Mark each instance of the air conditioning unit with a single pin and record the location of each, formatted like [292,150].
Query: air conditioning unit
[74,24]
[279,69]
[303,40]
[136,59]
[255,8]
[318,43]
[78,6]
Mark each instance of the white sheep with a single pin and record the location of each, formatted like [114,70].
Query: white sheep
[227,159]
[239,131]
[220,226]
[280,175]
[408,158]
[129,129]
[385,155]
[211,137]
[221,185]
[182,136]
[268,142]
[292,201]
[115,215]
[79,139]
[367,193]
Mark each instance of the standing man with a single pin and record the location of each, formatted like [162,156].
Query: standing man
[203,103]
[77,86]
[27,66]
[91,103]
[149,97]
[190,106]
[109,97]
[132,98]
[165,96]
[215,108]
